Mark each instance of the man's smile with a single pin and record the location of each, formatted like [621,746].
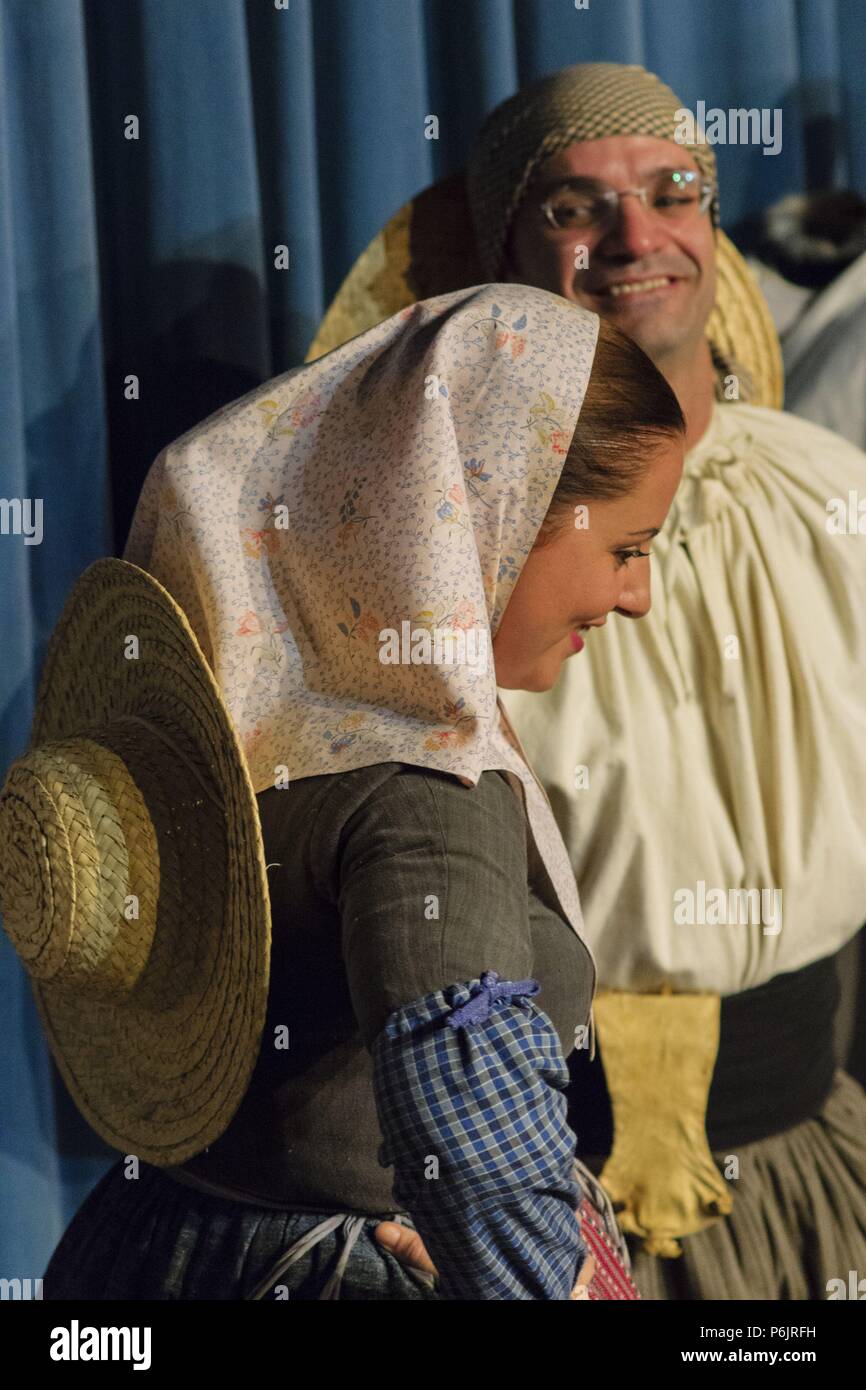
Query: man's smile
[635,287]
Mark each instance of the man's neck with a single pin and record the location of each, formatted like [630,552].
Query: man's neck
[692,377]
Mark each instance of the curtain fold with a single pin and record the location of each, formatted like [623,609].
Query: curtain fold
[140,287]
[52,403]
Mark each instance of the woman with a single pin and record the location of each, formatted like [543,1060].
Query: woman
[364,548]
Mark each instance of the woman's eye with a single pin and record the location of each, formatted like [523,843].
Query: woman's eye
[624,555]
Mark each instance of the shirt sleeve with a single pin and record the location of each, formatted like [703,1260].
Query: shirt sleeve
[474,1121]
[433,891]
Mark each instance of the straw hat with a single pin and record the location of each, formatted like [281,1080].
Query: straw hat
[428,248]
[132,876]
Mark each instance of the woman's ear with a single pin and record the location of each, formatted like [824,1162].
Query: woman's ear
[555,522]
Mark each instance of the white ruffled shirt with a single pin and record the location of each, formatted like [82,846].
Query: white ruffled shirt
[719,744]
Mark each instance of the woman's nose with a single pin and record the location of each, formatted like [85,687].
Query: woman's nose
[635,600]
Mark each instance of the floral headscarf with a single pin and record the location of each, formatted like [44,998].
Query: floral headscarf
[395,485]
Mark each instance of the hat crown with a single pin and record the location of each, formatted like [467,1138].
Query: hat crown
[79,867]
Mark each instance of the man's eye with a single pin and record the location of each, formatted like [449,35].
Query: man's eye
[570,212]
[568,209]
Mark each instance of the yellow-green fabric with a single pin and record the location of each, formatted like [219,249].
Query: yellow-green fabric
[723,737]
[659,1054]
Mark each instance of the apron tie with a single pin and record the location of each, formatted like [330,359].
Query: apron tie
[352,1227]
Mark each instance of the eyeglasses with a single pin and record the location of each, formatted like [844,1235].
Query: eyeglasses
[676,195]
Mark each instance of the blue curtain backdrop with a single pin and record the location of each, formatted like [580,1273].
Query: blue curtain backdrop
[261,125]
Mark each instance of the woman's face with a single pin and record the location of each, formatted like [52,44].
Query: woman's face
[571,582]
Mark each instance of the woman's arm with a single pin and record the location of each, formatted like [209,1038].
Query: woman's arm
[473,1117]
[433,892]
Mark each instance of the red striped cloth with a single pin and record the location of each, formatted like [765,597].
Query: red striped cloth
[610,1280]
[604,1240]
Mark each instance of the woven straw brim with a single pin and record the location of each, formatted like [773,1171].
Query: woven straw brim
[428,248]
[160,1071]
[741,328]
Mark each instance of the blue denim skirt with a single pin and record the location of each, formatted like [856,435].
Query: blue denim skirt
[152,1237]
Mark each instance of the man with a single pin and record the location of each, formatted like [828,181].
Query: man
[707,765]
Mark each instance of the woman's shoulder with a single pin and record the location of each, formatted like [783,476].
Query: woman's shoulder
[382,780]
[404,793]
[400,808]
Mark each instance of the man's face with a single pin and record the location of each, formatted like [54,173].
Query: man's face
[639,246]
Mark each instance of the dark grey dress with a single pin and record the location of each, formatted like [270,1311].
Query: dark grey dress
[360,860]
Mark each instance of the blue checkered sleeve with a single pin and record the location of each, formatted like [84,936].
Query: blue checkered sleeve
[469,1086]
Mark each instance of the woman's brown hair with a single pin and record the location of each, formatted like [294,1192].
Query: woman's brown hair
[628,410]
